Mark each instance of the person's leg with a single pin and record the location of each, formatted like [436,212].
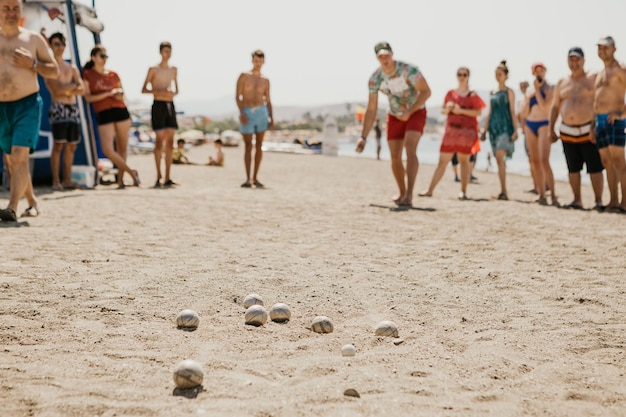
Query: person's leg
[107,138]
[411,140]
[466,172]
[611,176]
[247,157]
[455,163]
[535,163]
[619,168]
[20,176]
[169,151]
[597,184]
[68,161]
[545,145]
[158,153]
[397,167]
[121,141]
[574,182]
[258,156]
[55,164]
[444,159]
[378,148]
[500,155]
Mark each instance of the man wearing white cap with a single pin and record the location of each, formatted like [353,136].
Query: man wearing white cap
[407,90]
[573,101]
[610,122]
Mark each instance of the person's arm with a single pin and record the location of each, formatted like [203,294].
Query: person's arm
[46,65]
[268,103]
[78,87]
[41,61]
[239,98]
[92,98]
[175,92]
[423,89]
[145,89]
[543,103]
[118,92]
[619,114]
[511,94]
[555,109]
[368,120]
[470,112]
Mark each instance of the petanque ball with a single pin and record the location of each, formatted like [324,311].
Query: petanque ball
[188,374]
[252,299]
[280,313]
[348,350]
[256,315]
[322,324]
[187,319]
[386,328]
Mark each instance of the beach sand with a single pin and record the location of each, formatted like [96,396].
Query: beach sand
[505,308]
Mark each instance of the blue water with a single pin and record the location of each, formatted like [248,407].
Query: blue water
[428,153]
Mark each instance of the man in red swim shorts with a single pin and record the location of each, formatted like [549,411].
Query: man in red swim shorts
[407,90]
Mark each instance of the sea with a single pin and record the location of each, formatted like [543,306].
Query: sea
[428,153]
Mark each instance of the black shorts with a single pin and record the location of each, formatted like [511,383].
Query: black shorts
[455,159]
[113,115]
[163,115]
[65,132]
[577,154]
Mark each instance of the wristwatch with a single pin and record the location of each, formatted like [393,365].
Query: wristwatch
[35,63]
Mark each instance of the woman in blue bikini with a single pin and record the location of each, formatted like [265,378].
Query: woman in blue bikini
[538,136]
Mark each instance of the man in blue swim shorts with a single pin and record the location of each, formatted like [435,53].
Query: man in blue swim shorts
[255,108]
[610,122]
[23,55]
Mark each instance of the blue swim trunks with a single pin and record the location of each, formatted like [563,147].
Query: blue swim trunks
[610,133]
[258,120]
[19,123]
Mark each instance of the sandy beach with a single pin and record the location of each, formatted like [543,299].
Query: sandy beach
[504,308]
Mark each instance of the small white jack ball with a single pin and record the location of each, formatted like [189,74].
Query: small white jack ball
[252,299]
[322,324]
[280,313]
[188,374]
[386,328]
[256,315]
[187,319]
[348,350]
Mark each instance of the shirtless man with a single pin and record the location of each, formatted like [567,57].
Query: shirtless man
[160,78]
[610,122]
[255,108]
[573,101]
[538,136]
[23,55]
[407,90]
[63,114]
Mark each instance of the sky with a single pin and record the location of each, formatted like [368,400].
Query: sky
[322,52]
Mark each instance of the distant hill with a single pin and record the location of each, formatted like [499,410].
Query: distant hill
[225,108]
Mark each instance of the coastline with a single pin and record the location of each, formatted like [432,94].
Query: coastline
[501,306]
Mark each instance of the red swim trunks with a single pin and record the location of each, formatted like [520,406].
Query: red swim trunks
[397,128]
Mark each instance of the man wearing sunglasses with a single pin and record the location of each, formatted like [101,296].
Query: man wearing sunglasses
[407,90]
[63,114]
[23,55]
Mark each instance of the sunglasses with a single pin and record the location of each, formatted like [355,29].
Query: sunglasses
[58,44]
[103,56]
[462,74]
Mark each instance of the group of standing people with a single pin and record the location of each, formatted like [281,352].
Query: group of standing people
[591,108]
